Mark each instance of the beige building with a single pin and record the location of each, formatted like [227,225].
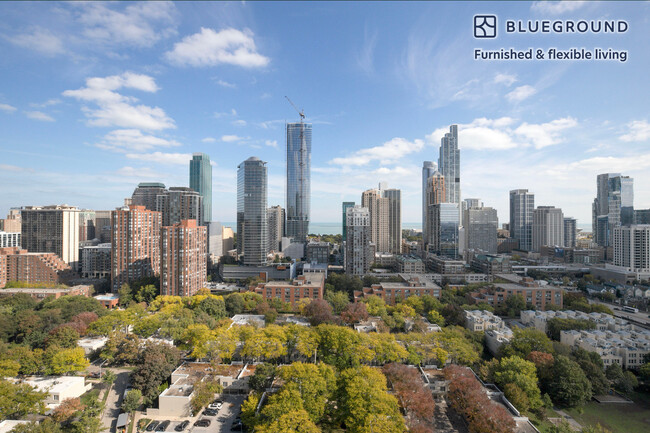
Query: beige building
[52,229]
[309,286]
[548,227]
[378,208]
[135,234]
[183,258]
[482,320]
[12,223]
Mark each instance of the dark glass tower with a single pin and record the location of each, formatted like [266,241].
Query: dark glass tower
[449,164]
[201,182]
[252,236]
[298,180]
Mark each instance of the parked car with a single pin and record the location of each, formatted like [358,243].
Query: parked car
[163,425]
[202,423]
[182,426]
[152,425]
[216,405]
[210,412]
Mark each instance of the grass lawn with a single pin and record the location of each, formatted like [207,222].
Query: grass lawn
[619,418]
[88,395]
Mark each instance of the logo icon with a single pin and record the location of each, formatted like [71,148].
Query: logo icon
[485,26]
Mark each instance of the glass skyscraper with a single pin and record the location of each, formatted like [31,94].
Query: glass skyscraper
[522,205]
[445,229]
[298,180]
[346,206]
[428,169]
[449,164]
[252,236]
[613,206]
[201,182]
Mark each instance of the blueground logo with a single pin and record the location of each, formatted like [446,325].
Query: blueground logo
[485,26]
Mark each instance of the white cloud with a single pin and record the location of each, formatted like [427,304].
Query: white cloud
[506,79]
[162,158]
[231,138]
[365,57]
[40,40]
[39,115]
[223,83]
[265,95]
[133,140]
[140,24]
[521,93]
[210,48]
[639,131]
[239,122]
[46,104]
[137,173]
[115,109]
[7,108]
[387,153]
[271,143]
[545,134]
[209,140]
[556,7]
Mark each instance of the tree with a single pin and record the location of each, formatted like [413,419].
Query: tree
[627,383]
[195,338]
[132,400]
[354,313]
[318,311]
[214,306]
[556,325]
[291,422]
[311,383]
[66,410]
[234,304]
[517,397]
[155,364]
[338,300]
[126,294]
[375,306]
[568,385]
[63,336]
[436,318]
[262,378]
[525,341]
[68,360]
[517,371]
[204,392]
[147,293]
[614,372]
[9,368]
[515,304]
[48,425]
[363,397]
[17,400]
[415,399]
[109,378]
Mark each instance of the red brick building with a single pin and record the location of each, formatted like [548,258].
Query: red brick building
[20,265]
[309,286]
[184,258]
[534,294]
[135,237]
[394,292]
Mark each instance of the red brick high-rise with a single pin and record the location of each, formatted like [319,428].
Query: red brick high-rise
[135,239]
[184,257]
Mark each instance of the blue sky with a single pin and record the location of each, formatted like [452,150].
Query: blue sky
[98,97]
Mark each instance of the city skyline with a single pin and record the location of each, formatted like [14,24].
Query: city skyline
[100,112]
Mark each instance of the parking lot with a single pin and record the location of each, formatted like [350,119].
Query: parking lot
[218,424]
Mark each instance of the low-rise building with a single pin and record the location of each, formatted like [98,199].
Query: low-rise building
[256,320]
[603,321]
[482,320]
[495,338]
[92,344]
[42,293]
[409,264]
[444,265]
[20,265]
[306,286]
[108,300]
[317,252]
[534,294]
[275,271]
[624,347]
[59,388]
[491,264]
[394,292]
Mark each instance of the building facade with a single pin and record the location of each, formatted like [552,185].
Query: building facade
[435,193]
[145,194]
[449,164]
[12,223]
[135,240]
[612,207]
[394,197]
[481,224]
[179,203]
[276,229]
[378,209]
[34,268]
[444,229]
[96,261]
[9,239]
[183,258]
[201,182]
[428,169]
[522,204]
[298,180]
[308,286]
[359,252]
[548,227]
[346,205]
[252,225]
[570,232]
[52,229]
[632,248]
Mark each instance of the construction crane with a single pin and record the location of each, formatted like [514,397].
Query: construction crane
[301,112]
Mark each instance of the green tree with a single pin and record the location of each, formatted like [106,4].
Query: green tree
[109,378]
[627,383]
[155,364]
[556,325]
[568,386]
[132,400]
[204,392]
[17,400]
[234,304]
[436,318]
[46,426]
[147,293]
[262,378]
[517,397]
[215,306]
[63,336]
[291,422]
[525,341]
[68,360]
[9,368]
[515,304]
[310,381]
[338,300]
[522,373]
[126,294]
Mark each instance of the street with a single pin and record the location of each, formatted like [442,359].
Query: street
[112,410]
